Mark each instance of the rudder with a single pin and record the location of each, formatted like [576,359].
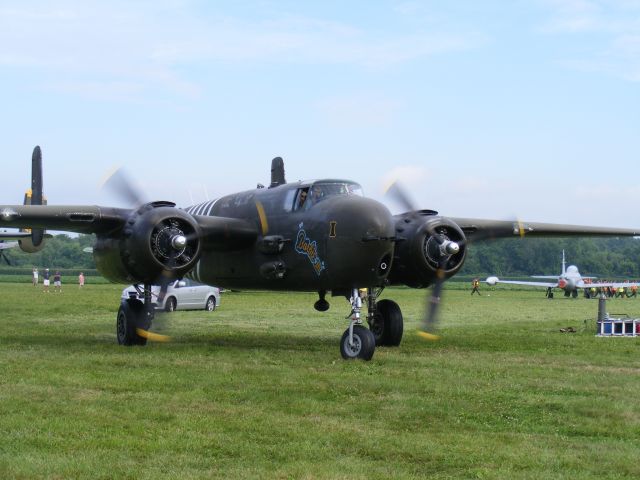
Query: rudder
[34,196]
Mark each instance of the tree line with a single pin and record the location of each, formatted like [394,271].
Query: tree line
[603,257]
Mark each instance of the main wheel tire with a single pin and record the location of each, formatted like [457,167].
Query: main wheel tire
[131,316]
[210,306]
[364,344]
[388,324]
[170,305]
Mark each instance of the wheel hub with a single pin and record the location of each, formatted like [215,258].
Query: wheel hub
[354,348]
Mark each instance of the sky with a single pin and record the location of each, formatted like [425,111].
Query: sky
[492,109]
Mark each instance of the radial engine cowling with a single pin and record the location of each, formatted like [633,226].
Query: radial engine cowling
[425,244]
[158,242]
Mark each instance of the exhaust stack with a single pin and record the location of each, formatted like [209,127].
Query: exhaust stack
[277,172]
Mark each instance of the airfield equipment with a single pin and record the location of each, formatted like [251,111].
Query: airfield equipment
[608,326]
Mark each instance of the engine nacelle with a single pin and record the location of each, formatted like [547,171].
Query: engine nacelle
[158,242]
[27,244]
[426,243]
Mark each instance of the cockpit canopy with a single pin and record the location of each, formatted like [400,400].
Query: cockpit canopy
[308,195]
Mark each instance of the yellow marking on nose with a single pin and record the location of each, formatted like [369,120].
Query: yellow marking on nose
[263,218]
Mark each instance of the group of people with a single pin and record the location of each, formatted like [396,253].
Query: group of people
[612,292]
[57,280]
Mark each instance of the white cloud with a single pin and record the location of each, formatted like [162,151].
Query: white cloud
[612,28]
[570,16]
[360,110]
[147,44]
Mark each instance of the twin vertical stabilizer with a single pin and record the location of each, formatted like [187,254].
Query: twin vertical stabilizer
[34,196]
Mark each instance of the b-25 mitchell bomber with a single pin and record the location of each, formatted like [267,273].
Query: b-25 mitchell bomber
[320,236]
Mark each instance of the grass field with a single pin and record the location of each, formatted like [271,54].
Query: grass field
[257,389]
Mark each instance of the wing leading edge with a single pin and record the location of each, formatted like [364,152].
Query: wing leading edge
[68,218]
[218,232]
[481,229]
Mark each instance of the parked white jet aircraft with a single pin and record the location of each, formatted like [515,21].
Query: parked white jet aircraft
[569,281]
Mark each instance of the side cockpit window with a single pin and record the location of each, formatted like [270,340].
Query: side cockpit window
[301,201]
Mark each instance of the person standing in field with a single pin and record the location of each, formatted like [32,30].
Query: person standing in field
[476,286]
[35,276]
[81,280]
[45,280]
[57,282]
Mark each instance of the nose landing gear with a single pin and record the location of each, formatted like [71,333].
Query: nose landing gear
[356,341]
[386,326]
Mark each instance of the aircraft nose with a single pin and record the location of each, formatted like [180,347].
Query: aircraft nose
[363,219]
[361,239]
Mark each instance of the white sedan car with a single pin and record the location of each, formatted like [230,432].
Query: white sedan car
[181,295]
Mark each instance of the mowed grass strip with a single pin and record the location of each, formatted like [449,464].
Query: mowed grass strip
[257,389]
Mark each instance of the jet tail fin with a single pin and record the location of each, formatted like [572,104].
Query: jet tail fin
[35,196]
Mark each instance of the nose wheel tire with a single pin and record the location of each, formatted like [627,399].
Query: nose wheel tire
[364,344]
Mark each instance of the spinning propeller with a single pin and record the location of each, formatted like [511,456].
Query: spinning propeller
[443,248]
[438,249]
[173,242]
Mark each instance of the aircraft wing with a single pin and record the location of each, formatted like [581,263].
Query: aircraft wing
[13,235]
[481,229]
[6,245]
[493,280]
[218,232]
[68,218]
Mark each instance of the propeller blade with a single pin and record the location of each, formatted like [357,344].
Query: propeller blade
[120,185]
[400,195]
[159,321]
[429,326]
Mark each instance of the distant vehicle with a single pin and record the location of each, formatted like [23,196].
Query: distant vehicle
[181,295]
[568,281]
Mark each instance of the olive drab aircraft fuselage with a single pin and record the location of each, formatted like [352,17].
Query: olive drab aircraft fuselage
[322,236]
[312,236]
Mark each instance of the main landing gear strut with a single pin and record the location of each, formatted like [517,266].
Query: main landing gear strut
[385,326]
[134,319]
